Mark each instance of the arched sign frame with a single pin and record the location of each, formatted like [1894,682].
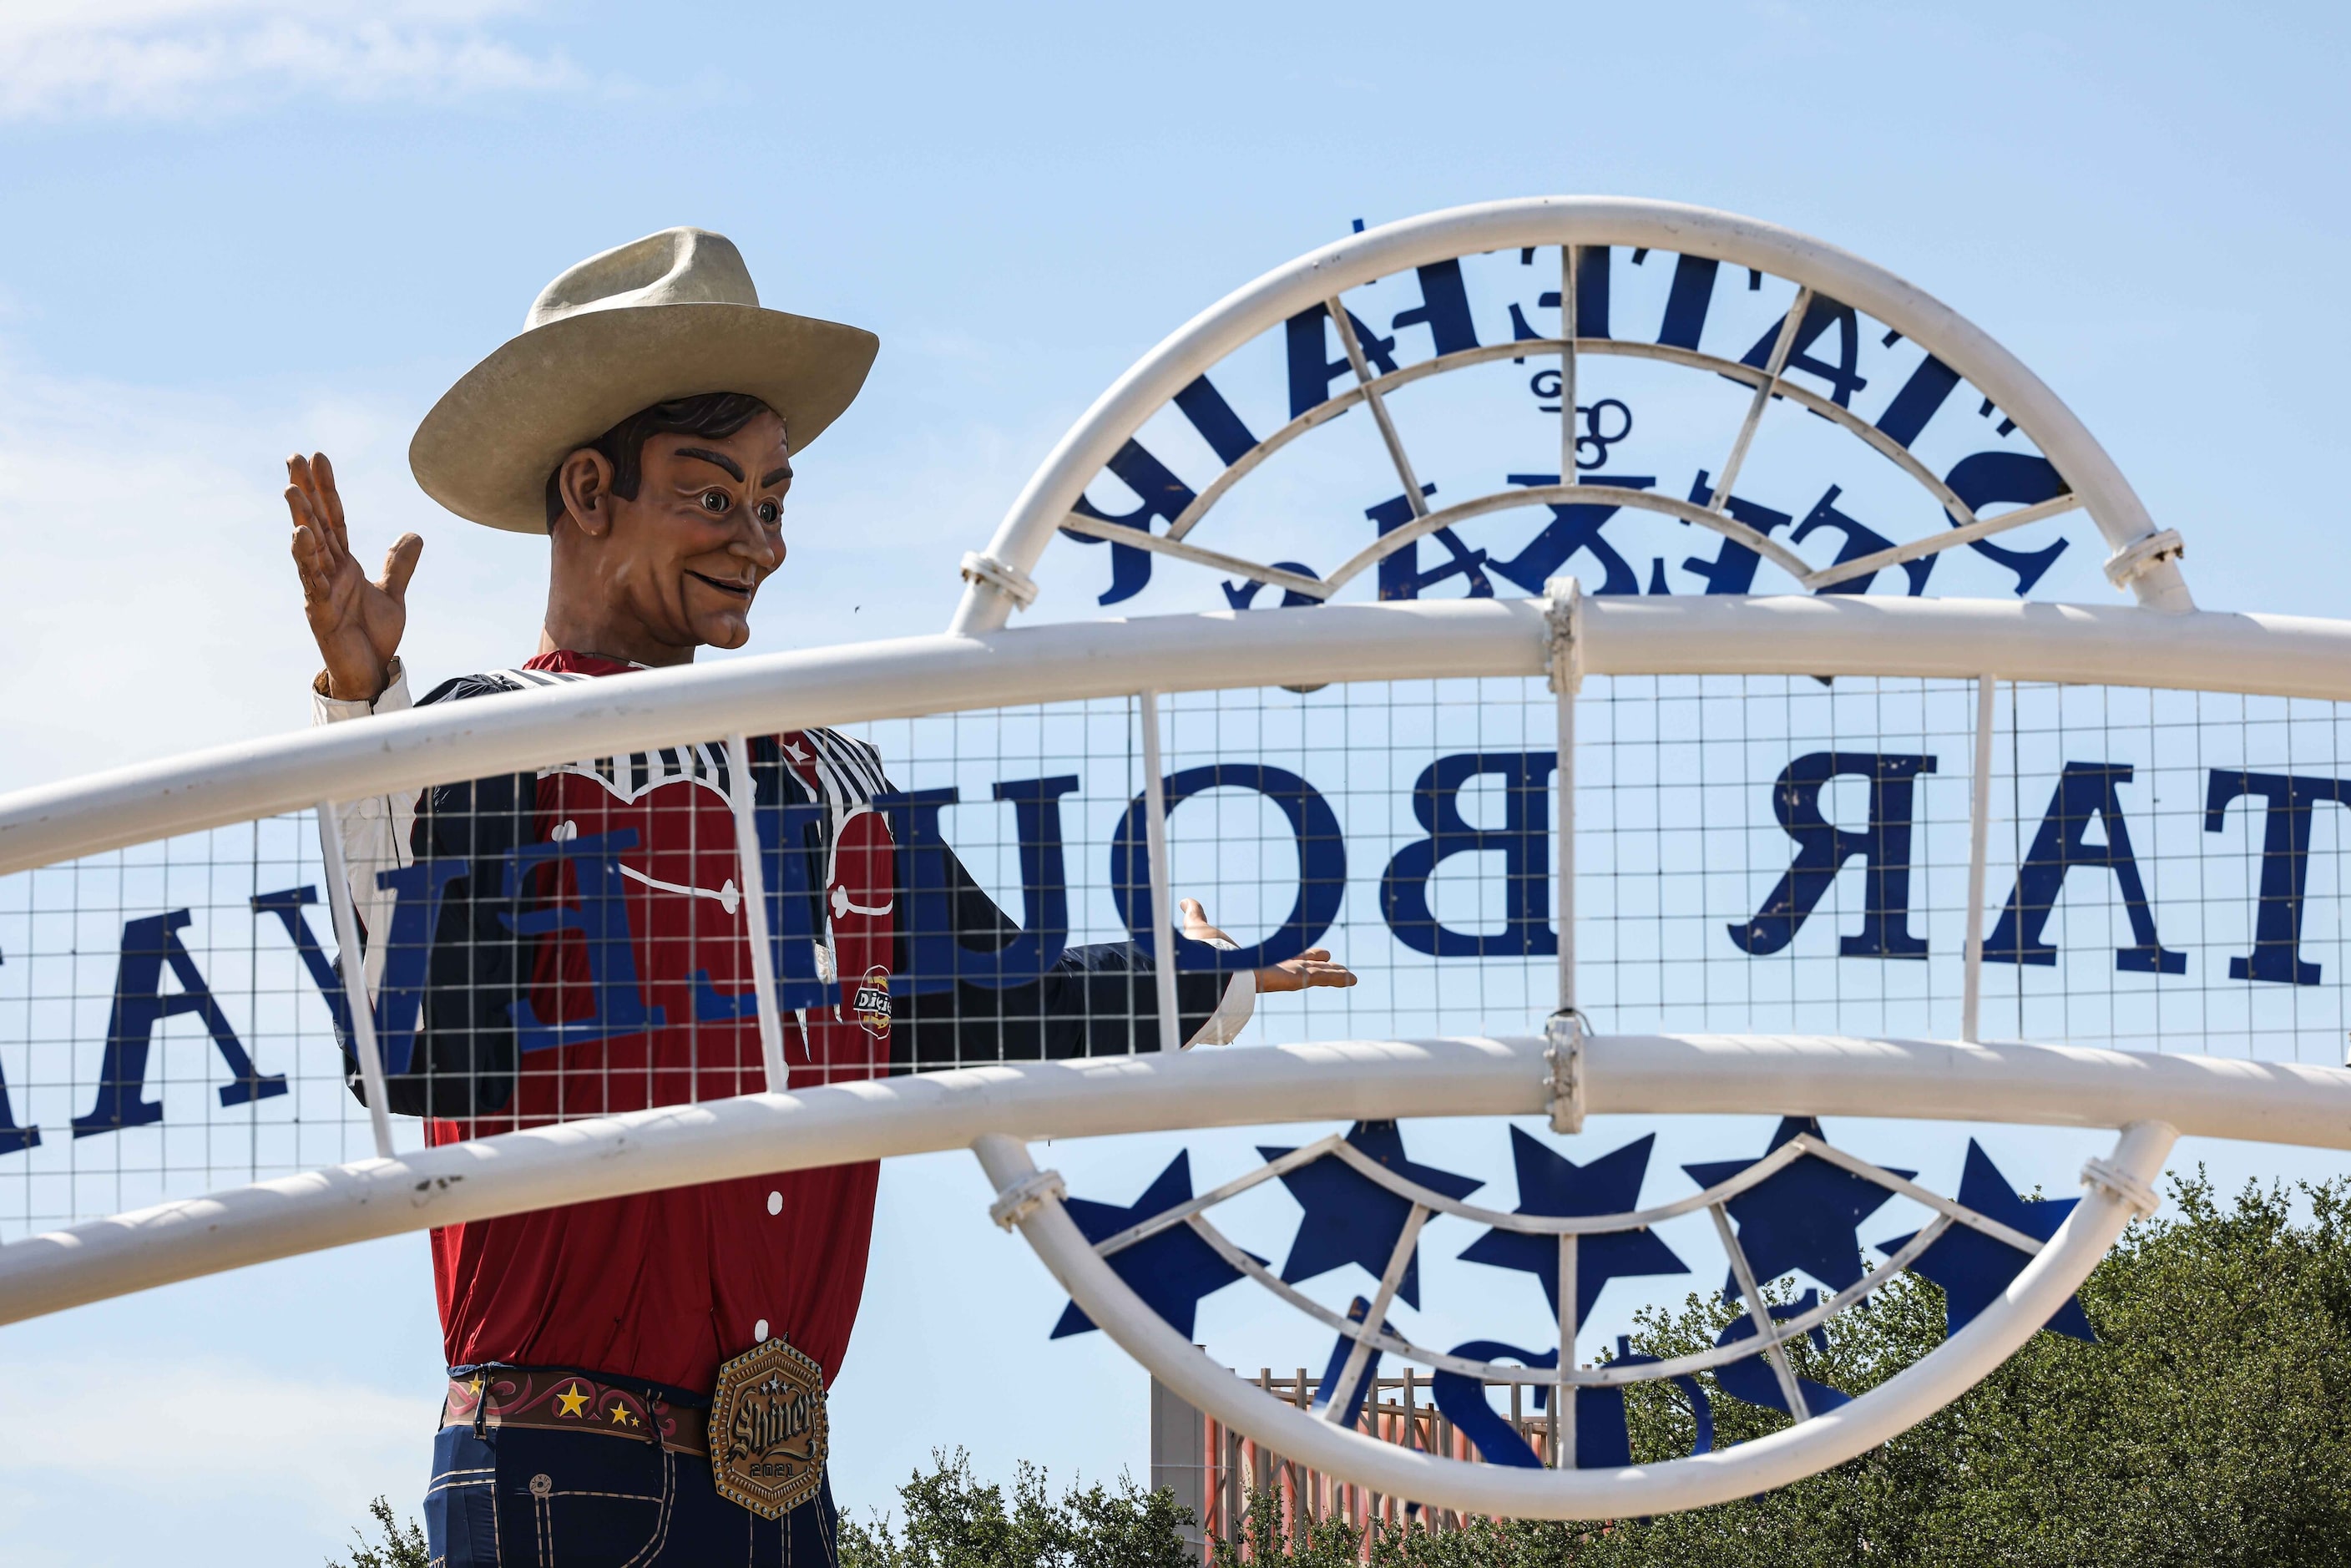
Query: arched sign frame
[998,581]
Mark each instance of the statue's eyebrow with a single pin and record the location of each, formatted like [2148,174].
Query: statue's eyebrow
[734,469]
[779,474]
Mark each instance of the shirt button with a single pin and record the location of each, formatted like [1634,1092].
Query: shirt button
[775,1203]
[759,1331]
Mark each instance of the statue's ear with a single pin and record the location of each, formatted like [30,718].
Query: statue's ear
[584,480]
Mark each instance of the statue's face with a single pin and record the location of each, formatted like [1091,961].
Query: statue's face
[688,552]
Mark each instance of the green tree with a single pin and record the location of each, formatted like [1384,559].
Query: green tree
[402,1545]
[2211,1425]
[952,1520]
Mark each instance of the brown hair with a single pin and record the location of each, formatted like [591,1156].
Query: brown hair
[708,413]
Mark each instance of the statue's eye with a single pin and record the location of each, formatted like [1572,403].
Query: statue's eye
[772,513]
[713,501]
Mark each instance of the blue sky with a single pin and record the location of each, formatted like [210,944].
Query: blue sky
[242,228]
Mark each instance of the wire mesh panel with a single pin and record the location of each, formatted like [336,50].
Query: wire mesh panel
[1755,853]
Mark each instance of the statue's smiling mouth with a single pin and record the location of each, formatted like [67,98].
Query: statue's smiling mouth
[740,589]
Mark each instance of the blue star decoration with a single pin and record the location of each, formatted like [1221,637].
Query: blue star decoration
[1972,1268]
[1750,1377]
[1550,1184]
[1351,1218]
[1171,1271]
[1806,1216]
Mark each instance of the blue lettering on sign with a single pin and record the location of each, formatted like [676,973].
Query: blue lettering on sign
[1321,865]
[1524,840]
[794,920]
[1732,569]
[1591,295]
[1987,478]
[14,1139]
[1859,539]
[1400,574]
[1311,370]
[1241,595]
[935,960]
[1573,527]
[1821,315]
[2085,792]
[1921,398]
[2288,803]
[599,914]
[150,945]
[1161,493]
[416,893]
[2085,802]
[1688,300]
[1444,310]
[1822,848]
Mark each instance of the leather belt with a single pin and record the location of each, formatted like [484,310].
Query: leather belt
[573,1402]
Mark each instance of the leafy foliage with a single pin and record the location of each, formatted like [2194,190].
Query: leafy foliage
[954,1521]
[2211,1425]
[402,1546]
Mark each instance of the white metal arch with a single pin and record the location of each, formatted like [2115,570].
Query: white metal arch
[998,579]
[988,1106]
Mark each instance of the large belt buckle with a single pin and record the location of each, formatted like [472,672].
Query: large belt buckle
[768,1429]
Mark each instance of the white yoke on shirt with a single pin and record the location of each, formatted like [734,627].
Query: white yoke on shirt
[376,833]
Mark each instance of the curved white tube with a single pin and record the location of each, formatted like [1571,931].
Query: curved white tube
[1950,638]
[1625,1074]
[1806,1449]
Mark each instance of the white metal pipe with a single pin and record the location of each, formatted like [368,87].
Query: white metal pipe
[2279,656]
[1979,850]
[1154,841]
[1196,347]
[742,801]
[1565,701]
[1567,364]
[358,1003]
[1563,1392]
[1378,405]
[1718,499]
[677,1145]
[1739,1471]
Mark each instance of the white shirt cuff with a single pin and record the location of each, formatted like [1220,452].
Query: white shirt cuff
[1233,1012]
[324,709]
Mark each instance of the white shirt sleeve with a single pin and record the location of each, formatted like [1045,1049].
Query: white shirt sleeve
[1233,1012]
[375,829]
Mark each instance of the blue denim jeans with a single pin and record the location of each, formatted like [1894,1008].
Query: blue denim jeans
[520,1497]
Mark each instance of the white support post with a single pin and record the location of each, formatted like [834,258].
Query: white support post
[1563,1394]
[752,873]
[1567,364]
[1154,838]
[357,1002]
[1979,847]
[1564,607]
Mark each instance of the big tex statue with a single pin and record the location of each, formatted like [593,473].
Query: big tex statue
[640,1380]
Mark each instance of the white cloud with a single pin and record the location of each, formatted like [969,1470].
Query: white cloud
[167,58]
[150,607]
[198,1435]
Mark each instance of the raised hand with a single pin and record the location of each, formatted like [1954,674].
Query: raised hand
[1313,968]
[356,624]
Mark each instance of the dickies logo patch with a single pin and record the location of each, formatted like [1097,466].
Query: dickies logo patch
[871,1004]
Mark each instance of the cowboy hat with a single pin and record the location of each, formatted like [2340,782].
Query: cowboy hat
[671,315]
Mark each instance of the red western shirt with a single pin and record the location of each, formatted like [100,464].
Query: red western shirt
[666,1285]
